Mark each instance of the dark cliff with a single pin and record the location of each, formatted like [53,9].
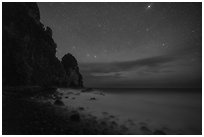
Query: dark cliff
[72,71]
[28,49]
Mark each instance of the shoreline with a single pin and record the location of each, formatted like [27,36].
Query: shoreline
[65,111]
[23,114]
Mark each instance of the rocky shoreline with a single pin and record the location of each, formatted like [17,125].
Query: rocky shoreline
[25,114]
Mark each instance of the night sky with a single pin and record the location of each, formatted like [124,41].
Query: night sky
[142,45]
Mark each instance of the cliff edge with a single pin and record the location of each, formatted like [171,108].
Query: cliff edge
[29,51]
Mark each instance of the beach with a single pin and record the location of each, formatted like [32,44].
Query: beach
[101,68]
[102,111]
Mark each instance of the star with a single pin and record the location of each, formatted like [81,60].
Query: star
[147,29]
[109,33]
[149,6]
[164,45]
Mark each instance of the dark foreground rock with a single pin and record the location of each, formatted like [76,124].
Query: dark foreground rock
[93,98]
[58,102]
[75,117]
[24,116]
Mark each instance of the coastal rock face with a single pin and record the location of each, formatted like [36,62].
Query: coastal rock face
[28,49]
[72,71]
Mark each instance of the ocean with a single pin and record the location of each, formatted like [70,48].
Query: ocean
[174,111]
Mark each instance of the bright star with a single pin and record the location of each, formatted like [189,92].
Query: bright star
[149,6]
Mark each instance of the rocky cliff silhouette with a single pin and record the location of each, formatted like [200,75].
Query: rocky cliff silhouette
[28,50]
[72,70]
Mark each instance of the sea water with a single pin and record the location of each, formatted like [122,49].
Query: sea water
[175,111]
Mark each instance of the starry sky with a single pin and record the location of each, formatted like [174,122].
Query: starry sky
[130,45]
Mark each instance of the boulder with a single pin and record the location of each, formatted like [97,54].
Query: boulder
[58,102]
[75,117]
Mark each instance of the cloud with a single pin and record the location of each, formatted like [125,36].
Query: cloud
[158,71]
[114,69]
[106,74]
